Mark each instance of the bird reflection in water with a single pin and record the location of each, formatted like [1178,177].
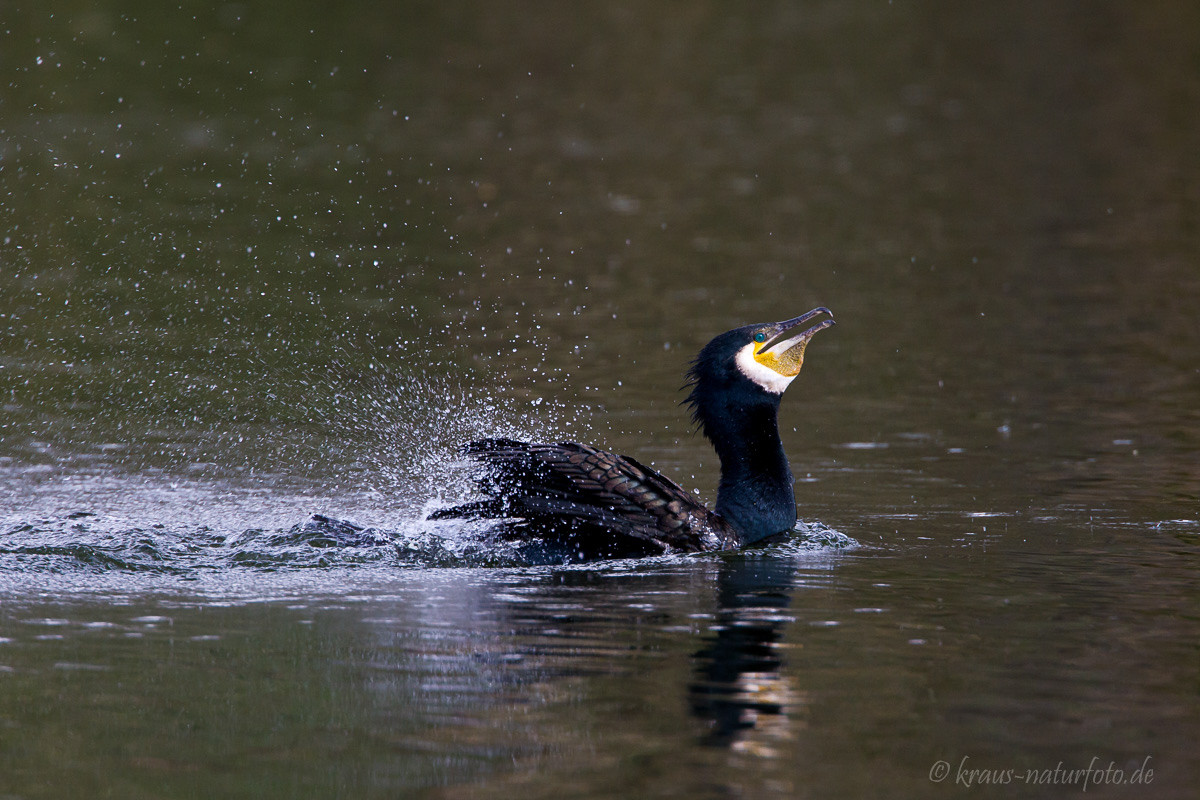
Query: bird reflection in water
[740,692]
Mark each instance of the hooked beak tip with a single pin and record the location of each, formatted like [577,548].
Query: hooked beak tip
[787,332]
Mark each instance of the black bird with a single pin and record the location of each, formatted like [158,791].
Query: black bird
[585,503]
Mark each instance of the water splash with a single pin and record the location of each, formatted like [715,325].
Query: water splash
[811,535]
[368,433]
[398,433]
[89,551]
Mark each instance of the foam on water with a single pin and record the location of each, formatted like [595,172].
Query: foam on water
[86,551]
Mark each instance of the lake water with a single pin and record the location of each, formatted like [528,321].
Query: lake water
[262,261]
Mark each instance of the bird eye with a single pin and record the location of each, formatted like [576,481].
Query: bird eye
[760,337]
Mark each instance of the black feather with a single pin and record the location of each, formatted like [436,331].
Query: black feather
[600,504]
[577,494]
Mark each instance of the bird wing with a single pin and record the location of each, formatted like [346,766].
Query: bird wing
[579,483]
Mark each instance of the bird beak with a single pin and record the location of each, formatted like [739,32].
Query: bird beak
[784,351]
[789,334]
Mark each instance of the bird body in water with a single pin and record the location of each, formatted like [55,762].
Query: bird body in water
[589,503]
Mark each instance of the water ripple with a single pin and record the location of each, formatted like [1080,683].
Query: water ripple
[83,544]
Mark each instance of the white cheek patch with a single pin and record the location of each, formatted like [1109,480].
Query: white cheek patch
[764,376]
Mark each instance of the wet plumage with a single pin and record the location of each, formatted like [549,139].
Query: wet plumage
[600,504]
[590,503]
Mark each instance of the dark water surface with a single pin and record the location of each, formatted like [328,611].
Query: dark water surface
[263,260]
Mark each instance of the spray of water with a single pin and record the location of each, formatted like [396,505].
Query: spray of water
[398,432]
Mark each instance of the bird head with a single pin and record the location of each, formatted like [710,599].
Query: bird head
[752,364]
[773,356]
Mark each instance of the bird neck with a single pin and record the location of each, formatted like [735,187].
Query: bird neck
[755,493]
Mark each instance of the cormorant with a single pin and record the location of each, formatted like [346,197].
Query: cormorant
[586,503]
